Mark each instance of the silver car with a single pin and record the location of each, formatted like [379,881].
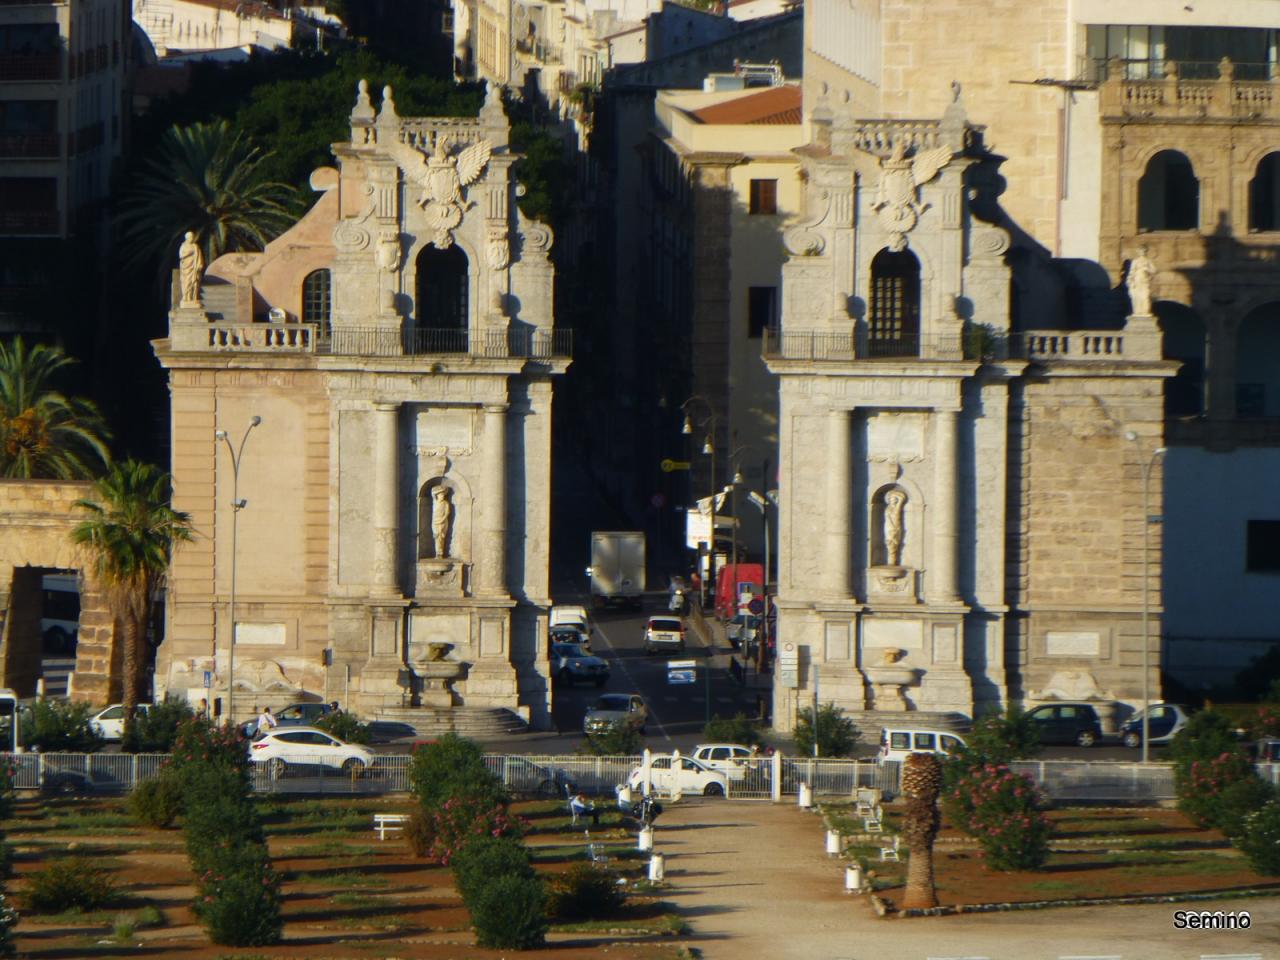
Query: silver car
[611,708]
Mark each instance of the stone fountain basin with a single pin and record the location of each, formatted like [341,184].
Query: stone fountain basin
[891,673]
[439,669]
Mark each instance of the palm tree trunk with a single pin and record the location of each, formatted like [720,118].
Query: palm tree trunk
[132,639]
[920,893]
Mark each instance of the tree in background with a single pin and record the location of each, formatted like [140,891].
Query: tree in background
[206,178]
[44,434]
[128,539]
[834,734]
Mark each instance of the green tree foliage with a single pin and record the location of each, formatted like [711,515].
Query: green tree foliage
[345,726]
[619,739]
[57,726]
[487,857]
[157,802]
[128,538]
[453,767]
[998,739]
[509,913]
[1260,839]
[43,433]
[738,729]
[1208,734]
[156,730]
[834,733]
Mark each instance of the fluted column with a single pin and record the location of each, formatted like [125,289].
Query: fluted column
[385,540]
[839,500]
[942,573]
[493,574]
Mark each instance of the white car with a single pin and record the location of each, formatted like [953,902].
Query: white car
[286,747]
[109,723]
[732,759]
[692,776]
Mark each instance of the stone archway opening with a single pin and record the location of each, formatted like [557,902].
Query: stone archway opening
[1185,340]
[441,309]
[1169,194]
[1258,363]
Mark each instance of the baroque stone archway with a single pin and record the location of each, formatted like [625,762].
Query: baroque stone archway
[36,519]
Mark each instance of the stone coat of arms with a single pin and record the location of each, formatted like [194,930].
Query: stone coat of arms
[443,177]
[898,202]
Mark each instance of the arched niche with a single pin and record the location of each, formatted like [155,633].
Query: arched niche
[458,534]
[1185,340]
[1169,193]
[893,315]
[908,513]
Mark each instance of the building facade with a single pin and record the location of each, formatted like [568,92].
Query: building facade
[398,346]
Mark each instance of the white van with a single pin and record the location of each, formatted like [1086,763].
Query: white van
[567,616]
[898,743]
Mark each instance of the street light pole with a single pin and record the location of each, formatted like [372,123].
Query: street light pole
[237,505]
[1147,520]
[709,448]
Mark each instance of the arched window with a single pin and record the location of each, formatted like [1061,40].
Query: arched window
[1169,194]
[1264,194]
[317,300]
[1258,363]
[440,305]
[1185,341]
[894,330]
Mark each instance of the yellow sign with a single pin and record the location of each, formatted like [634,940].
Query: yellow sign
[669,465]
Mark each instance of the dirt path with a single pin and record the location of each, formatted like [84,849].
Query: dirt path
[753,881]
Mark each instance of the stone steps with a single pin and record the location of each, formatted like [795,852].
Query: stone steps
[475,723]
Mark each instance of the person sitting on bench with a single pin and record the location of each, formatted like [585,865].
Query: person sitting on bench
[580,806]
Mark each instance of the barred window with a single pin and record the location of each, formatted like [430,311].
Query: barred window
[316,300]
[895,304]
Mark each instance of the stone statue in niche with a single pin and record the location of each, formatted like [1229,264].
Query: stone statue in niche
[1142,270]
[190,269]
[894,502]
[441,520]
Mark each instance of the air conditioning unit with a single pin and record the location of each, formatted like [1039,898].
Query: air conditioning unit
[277,315]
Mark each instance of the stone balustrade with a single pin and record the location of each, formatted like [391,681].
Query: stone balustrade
[1173,97]
[1082,345]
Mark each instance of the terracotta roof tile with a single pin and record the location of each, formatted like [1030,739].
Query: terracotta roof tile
[774,105]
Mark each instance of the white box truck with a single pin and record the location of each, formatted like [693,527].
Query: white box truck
[617,568]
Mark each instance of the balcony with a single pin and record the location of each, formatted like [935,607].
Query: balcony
[1190,91]
[307,338]
[978,344]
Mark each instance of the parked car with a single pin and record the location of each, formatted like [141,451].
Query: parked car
[1067,723]
[571,662]
[665,634]
[1166,720]
[614,708]
[390,731]
[109,722]
[898,743]
[692,776]
[731,759]
[523,776]
[294,715]
[286,747]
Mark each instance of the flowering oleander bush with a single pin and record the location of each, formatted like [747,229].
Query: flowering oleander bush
[1264,722]
[200,745]
[458,822]
[1260,838]
[453,767]
[1003,811]
[1221,791]
[241,907]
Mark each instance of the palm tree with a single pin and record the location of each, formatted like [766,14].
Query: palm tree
[206,179]
[44,434]
[921,783]
[128,538]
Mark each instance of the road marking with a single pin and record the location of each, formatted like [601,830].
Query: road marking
[631,681]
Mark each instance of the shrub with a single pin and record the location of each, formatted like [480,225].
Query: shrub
[157,802]
[618,740]
[585,892]
[8,919]
[345,726]
[452,767]
[420,832]
[6,859]
[1264,721]
[200,745]
[1208,734]
[219,821]
[483,858]
[1220,791]
[1260,839]
[6,790]
[834,733]
[459,821]
[510,913]
[156,730]
[1002,810]
[241,908]
[73,883]
[736,730]
[59,726]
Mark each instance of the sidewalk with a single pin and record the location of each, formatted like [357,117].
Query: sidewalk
[753,881]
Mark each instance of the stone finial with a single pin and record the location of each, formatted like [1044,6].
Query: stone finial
[388,112]
[363,110]
[954,120]
[493,115]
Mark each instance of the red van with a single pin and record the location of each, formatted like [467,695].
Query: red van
[735,579]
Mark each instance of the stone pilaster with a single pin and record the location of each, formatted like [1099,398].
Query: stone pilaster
[383,573]
[942,572]
[493,565]
[839,499]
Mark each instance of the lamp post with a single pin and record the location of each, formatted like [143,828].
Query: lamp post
[1147,520]
[237,505]
[708,448]
[762,634]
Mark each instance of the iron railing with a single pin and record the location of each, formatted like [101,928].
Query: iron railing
[516,343]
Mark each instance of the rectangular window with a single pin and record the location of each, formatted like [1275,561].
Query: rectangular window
[764,196]
[1263,547]
[762,305]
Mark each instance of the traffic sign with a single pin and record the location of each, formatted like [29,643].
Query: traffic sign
[756,606]
[208,679]
[669,465]
[680,676]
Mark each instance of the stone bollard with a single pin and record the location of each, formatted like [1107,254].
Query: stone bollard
[833,843]
[853,879]
[657,868]
[805,798]
[645,842]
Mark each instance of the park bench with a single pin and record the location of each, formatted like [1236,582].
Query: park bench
[384,823]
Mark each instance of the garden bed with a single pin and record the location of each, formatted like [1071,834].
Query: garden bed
[345,892]
[1096,854]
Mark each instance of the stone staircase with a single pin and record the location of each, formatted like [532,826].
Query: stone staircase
[474,723]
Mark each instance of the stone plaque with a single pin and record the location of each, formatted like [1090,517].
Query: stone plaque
[442,430]
[837,641]
[944,644]
[1069,644]
[491,640]
[261,634]
[907,634]
[895,436]
[386,637]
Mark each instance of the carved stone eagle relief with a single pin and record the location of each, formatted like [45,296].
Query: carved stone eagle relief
[898,202]
[442,177]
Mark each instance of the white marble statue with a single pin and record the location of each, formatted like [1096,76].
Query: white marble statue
[190,269]
[894,501]
[441,520]
[1141,271]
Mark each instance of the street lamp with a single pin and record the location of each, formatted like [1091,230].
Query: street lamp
[237,504]
[1147,520]
[709,449]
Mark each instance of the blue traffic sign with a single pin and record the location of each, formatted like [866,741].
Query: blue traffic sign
[756,606]
[680,676]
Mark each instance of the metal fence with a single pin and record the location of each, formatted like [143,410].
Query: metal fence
[548,776]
